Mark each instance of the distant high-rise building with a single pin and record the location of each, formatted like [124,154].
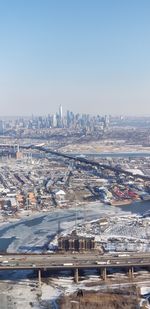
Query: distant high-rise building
[68,118]
[1,127]
[54,121]
[106,121]
[60,113]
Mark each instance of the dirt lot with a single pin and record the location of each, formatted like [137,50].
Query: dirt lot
[98,300]
[104,146]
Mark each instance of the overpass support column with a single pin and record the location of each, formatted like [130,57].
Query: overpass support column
[76,275]
[104,273]
[39,277]
[131,272]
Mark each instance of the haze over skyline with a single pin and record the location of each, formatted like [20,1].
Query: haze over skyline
[89,56]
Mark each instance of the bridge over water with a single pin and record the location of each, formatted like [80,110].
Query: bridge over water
[75,262]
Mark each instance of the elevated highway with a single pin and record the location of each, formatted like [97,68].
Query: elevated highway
[87,162]
[5,148]
[74,262]
[82,260]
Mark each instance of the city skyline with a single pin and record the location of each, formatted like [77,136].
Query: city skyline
[88,56]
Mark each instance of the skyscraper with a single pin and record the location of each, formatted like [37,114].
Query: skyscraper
[60,113]
[60,120]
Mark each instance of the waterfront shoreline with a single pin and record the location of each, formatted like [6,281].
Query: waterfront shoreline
[35,214]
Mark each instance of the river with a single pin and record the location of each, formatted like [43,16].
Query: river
[31,235]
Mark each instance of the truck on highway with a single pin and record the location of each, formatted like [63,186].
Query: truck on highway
[5,262]
[67,264]
[102,262]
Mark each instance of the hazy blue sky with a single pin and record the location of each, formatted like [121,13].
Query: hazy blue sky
[89,55]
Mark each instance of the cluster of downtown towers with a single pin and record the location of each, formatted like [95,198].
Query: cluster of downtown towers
[57,120]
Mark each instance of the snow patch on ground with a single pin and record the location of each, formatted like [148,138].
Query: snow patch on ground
[145,290]
[49,292]
[18,295]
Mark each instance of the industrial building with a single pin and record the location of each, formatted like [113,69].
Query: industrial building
[76,243]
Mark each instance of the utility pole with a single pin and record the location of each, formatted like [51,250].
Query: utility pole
[76,218]
[84,214]
[58,227]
